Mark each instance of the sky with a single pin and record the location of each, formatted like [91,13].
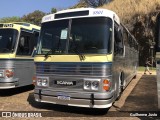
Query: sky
[19,8]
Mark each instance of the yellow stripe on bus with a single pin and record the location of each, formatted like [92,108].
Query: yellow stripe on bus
[74,58]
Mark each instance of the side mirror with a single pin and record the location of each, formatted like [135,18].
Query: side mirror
[118,36]
[22,40]
[34,52]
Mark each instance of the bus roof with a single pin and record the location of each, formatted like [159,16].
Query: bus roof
[21,25]
[81,12]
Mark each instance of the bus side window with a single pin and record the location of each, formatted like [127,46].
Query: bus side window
[118,44]
[125,37]
[26,44]
[130,41]
[23,46]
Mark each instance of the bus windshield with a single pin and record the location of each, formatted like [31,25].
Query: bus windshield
[79,35]
[7,40]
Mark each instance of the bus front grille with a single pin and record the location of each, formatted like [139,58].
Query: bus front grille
[74,69]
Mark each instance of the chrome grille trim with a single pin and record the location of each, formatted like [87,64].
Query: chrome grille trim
[7,64]
[74,69]
[72,72]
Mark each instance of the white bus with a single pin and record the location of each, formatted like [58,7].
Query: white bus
[85,57]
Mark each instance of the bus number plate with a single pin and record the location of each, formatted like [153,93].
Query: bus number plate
[65,98]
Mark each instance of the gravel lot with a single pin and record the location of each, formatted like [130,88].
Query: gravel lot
[140,95]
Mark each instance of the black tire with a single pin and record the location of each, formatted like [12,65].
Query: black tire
[135,77]
[120,86]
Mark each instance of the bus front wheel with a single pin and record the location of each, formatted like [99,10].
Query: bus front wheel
[120,86]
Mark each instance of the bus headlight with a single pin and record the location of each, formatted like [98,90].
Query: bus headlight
[87,85]
[42,81]
[95,85]
[39,82]
[91,84]
[1,74]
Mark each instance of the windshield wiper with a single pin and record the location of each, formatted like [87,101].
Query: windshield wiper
[47,54]
[76,50]
[51,50]
[81,56]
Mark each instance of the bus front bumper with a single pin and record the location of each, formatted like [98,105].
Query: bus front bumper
[8,83]
[74,101]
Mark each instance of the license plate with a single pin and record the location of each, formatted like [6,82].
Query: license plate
[62,97]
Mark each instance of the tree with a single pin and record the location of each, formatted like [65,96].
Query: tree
[80,4]
[53,10]
[34,17]
[10,19]
[96,3]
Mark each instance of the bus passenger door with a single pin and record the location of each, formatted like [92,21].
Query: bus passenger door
[24,64]
[118,64]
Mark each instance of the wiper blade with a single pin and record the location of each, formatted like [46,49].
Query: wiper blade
[76,50]
[81,56]
[47,54]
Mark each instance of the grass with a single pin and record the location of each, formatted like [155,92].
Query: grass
[141,68]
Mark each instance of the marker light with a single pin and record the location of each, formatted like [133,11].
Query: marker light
[34,80]
[106,85]
[9,73]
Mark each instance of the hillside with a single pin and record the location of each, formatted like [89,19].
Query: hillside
[140,18]
[129,9]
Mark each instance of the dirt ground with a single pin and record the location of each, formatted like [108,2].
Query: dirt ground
[140,95]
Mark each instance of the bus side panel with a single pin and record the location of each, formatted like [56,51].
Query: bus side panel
[24,71]
[6,64]
[117,69]
[129,65]
[125,65]
[130,69]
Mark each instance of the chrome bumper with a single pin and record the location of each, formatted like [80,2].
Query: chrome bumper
[76,99]
[7,85]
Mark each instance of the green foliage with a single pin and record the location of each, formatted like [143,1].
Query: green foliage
[10,19]
[96,3]
[53,10]
[81,4]
[90,3]
[34,17]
